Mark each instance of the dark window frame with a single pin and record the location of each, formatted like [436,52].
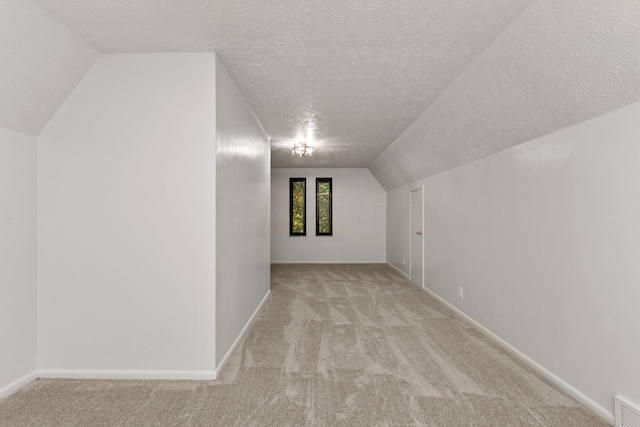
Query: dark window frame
[304,206]
[318,182]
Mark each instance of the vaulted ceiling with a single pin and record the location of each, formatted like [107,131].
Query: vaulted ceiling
[41,62]
[407,88]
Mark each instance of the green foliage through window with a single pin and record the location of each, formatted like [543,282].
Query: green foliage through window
[297,207]
[324,207]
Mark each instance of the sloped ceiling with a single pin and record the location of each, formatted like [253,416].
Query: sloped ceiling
[408,88]
[558,63]
[357,72]
[41,61]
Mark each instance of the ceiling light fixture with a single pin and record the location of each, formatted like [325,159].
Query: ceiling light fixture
[302,150]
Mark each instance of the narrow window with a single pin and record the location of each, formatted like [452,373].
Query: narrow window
[297,207]
[324,207]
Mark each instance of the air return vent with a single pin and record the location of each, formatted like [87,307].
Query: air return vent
[627,415]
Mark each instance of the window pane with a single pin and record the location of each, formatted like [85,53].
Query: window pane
[298,207]
[298,212]
[323,206]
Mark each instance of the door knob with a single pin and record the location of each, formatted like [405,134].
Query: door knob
[419,233]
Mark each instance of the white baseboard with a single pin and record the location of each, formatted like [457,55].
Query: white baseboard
[402,272]
[99,374]
[244,331]
[17,384]
[108,374]
[595,407]
[328,262]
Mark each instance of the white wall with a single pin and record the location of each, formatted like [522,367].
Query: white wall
[242,213]
[359,216]
[545,239]
[18,336]
[126,188]
[398,221]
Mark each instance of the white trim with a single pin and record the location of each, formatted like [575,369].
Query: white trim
[105,374]
[403,273]
[422,197]
[328,262]
[421,189]
[17,384]
[595,407]
[244,331]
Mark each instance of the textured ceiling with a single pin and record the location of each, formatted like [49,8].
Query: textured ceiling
[476,76]
[356,72]
[559,63]
[41,61]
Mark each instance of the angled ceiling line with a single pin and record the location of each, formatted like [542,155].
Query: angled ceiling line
[71,30]
[457,76]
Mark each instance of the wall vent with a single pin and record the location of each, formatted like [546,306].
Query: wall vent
[627,415]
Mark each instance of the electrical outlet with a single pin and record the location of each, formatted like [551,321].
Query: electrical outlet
[337,251]
[404,261]
[460,292]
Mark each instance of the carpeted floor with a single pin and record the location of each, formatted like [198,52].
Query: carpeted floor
[353,345]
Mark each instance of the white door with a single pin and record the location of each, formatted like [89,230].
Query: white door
[416,237]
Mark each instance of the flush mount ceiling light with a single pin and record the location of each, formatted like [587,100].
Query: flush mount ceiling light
[302,150]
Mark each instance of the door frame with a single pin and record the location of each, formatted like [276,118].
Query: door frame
[411,190]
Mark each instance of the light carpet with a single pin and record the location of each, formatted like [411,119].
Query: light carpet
[336,345]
